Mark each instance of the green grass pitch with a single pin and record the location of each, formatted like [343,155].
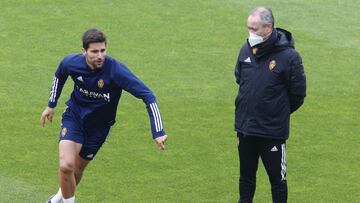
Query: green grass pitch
[185,51]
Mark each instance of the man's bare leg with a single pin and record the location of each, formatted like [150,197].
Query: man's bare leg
[80,165]
[68,153]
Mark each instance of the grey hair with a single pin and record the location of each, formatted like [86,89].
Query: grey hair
[266,15]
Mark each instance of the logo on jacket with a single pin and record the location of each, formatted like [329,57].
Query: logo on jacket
[254,50]
[63,132]
[272,64]
[95,95]
[80,78]
[100,83]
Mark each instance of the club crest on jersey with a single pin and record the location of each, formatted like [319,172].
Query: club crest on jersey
[272,64]
[254,50]
[100,83]
[63,132]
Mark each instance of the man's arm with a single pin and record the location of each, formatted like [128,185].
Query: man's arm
[237,70]
[133,85]
[297,83]
[56,88]
[295,102]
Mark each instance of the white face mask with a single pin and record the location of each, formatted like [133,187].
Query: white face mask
[254,39]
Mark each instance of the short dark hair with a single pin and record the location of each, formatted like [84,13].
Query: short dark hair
[92,35]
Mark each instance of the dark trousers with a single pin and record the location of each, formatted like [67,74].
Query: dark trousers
[273,156]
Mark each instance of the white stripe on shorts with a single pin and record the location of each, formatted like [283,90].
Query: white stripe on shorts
[283,162]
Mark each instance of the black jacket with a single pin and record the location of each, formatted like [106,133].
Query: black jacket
[272,85]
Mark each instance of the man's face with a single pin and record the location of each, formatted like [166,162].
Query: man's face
[95,54]
[255,26]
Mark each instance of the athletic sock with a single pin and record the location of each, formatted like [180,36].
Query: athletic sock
[57,198]
[69,200]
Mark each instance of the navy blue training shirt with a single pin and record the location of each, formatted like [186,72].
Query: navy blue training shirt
[96,93]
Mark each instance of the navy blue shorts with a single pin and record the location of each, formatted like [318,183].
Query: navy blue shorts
[90,138]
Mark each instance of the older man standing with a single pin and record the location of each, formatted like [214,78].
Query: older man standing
[272,85]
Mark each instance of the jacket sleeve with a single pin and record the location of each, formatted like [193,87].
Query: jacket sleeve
[295,102]
[296,82]
[59,80]
[237,70]
[133,85]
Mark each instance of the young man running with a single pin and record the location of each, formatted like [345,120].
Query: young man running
[91,109]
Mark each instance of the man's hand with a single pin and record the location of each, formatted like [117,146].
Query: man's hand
[47,113]
[160,141]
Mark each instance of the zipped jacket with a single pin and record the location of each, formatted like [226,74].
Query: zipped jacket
[272,85]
